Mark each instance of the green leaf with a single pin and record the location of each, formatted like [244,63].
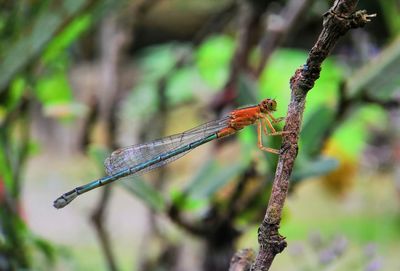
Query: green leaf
[37,35]
[213,59]
[201,174]
[141,189]
[353,134]
[144,98]
[274,81]
[313,130]
[6,175]
[183,202]
[60,43]
[248,90]
[380,77]
[315,168]
[207,183]
[248,140]
[17,91]
[182,85]
[46,248]
[157,61]
[54,89]
[390,14]
[3,114]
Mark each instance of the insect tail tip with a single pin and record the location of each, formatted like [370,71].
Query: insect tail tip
[64,200]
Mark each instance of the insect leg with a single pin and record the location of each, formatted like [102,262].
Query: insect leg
[260,145]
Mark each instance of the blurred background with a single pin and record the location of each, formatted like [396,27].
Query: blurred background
[80,78]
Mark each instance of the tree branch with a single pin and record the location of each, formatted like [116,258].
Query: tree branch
[97,218]
[113,38]
[276,34]
[249,17]
[337,21]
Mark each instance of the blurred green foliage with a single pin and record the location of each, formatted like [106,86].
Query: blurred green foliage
[211,179]
[354,133]
[369,77]
[274,81]
[18,245]
[210,68]
[45,89]
[213,59]
[391,15]
[56,53]
[34,62]
[37,52]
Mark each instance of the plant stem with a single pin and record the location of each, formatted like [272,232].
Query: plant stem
[337,21]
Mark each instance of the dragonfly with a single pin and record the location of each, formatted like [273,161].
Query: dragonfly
[141,158]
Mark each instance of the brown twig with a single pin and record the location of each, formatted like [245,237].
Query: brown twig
[97,219]
[174,213]
[387,104]
[216,23]
[249,14]
[337,21]
[159,123]
[276,34]
[113,39]
[235,203]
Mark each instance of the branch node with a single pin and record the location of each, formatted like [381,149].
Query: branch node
[268,235]
[305,77]
[355,20]
[360,18]
[336,22]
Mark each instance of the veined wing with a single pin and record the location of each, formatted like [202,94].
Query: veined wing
[131,156]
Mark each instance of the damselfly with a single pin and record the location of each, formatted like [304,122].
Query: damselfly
[141,158]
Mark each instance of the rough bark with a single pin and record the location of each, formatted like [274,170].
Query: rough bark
[336,22]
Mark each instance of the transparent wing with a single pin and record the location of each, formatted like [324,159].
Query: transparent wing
[131,156]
